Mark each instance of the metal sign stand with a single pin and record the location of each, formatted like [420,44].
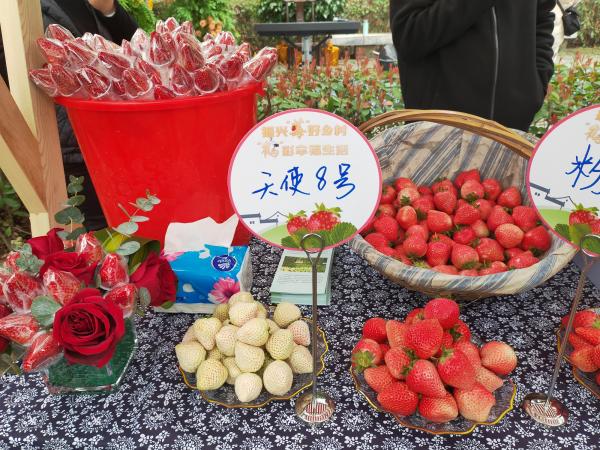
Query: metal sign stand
[314,407]
[543,407]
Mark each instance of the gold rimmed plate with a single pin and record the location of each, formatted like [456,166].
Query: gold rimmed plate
[225,395]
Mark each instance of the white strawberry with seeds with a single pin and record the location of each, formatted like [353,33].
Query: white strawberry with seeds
[301,332]
[221,311]
[248,358]
[233,371]
[285,314]
[241,313]
[281,344]
[301,360]
[248,387]
[225,339]
[190,355]
[278,378]
[211,375]
[254,332]
[240,297]
[206,330]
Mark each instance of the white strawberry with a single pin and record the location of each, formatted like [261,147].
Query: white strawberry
[221,311]
[225,339]
[285,314]
[211,375]
[190,355]
[281,344]
[301,360]
[214,354]
[301,332]
[205,330]
[248,387]
[189,336]
[278,378]
[273,327]
[241,313]
[248,358]
[232,369]
[240,297]
[254,332]
[262,311]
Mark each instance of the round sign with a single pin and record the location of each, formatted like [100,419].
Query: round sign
[564,176]
[304,171]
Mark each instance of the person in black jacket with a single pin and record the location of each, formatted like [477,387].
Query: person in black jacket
[104,17]
[491,58]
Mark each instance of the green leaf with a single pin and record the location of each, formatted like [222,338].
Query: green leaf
[341,232]
[593,245]
[8,364]
[76,180]
[127,228]
[110,243]
[579,230]
[69,215]
[139,219]
[144,204]
[563,230]
[128,248]
[43,309]
[75,233]
[153,199]
[76,200]
[290,242]
[167,305]
[63,234]
[74,188]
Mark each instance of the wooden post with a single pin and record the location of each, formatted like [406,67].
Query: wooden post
[30,153]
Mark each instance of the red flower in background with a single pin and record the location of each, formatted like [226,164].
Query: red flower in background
[72,262]
[42,246]
[156,275]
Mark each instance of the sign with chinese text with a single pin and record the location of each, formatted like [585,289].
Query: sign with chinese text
[564,176]
[304,171]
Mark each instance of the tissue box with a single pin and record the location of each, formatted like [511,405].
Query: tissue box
[209,277]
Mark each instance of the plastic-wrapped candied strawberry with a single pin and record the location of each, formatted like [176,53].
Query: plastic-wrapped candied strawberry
[53,51]
[206,80]
[100,43]
[4,311]
[186,27]
[20,289]
[112,272]
[190,57]
[127,49]
[58,32]
[208,37]
[163,93]
[124,296]
[244,51]
[43,351]
[67,84]
[181,81]
[140,42]
[43,80]
[149,70]
[225,38]
[159,52]
[182,38]
[80,54]
[171,24]
[11,261]
[94,83]
[61,285]
[19,328]
[90,247]
[169,41]
[231,68]
[212,51]
[262,63]
[114,63]
[137,85]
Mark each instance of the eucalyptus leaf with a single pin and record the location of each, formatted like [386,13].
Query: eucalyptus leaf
[74,188]
[128,248]
[139,219]
[43,309]
[75,233]
[127,228]
[69,215]
[153,199]
[76,200]
[63,234]
[167,305]
[144,204]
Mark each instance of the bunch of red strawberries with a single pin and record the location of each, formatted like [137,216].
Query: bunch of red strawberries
[428,364]
[469,227]
[585,340]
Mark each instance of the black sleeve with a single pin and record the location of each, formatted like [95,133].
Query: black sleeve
[3,69]
[545,40]
[420,27]
[120,26]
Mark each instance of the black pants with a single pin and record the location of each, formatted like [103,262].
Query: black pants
[94,218]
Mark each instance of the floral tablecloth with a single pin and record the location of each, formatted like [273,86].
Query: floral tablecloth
[155,410]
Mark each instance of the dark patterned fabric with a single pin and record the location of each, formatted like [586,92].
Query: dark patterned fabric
[155,410]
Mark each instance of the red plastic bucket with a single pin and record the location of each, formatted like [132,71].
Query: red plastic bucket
[178,149]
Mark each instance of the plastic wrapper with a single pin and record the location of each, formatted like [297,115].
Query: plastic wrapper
[89,247]
[137,85]
[79,54]
[20,289]
[182,82]
[58,32]
[206,80]
[232,69]
[114,63]
[112,272]
[127,49]
[100,43]
[10,262]
[163,93]
[160,52]
[243,51]
[19,328]
[4,311]
[191,57]
[225,38]
[186,27]
[171,24]
[61,285]
[67,84]
[43,80]
[160,26]
[124,297]
[140,42]
[261,64]
[97,85]
[53,51]
[149,70]
[43,352]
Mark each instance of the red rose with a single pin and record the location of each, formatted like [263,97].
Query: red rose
[75,263]
[156,275]
[89,328]
[43,246]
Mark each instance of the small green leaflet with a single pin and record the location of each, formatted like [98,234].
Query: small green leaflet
[43,309]
[339,233]
[563,230]
[127,228]
[128,248]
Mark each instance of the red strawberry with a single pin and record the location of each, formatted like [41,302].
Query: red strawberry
[399,360]
[10,262]
[525,217]
[425,337]
[489,250]
[481,229]
[4,311]
[578,342]
[445,201]
[590,334]
[43,348]
[537,240]
[474,404]
[384,349]
[522,261]
[495,267]
[397,398]
[585,318]
[455,369]
[296,222]
[484,207]
[471,190]
[438,221]
[424,379]
[388,195]
[488,379]
[207,80]
[499,357]
[53,51]
[61,285]
[366,353]
[464,236]
[387,226]
[323,218]
[416,315]
[492,188]
[377,240]
[160,51]
[114,63]
[20,289]
[407,217]
[466,215]
[582,214]
[510,253]
[509,198]
[445,269]
[460,332]
[415,246]
[595,225]
[396,333]
[509,235]
[447,342]
[400,255]
[444,310]
[378,378]
[470,350]
[387,251]
[137,84]
[58,32]
[149,70]
[464,257]
[113,271]
[583,359]
[596,355]
[19,328]
[419,230]
[402,183]
[374,328]
[425,190]
[422,205]
[124,296]
[497,217]
[407,195]
[438,410]
[438,253]
[386,210]
[472,174]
